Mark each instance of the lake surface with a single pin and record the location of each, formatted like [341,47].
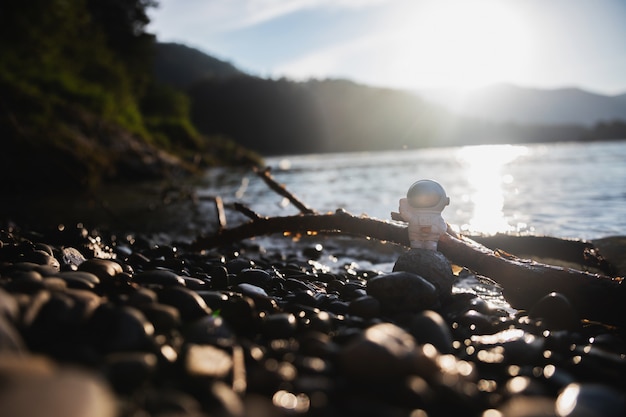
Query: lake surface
[569,190]
[564,190]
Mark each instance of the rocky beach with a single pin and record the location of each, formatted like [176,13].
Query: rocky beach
[94,323]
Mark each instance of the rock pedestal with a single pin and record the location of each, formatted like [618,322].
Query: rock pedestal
[433,266]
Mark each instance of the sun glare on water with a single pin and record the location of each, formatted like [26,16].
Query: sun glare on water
[484,169]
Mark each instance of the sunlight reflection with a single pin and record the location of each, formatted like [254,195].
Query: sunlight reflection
[483,166]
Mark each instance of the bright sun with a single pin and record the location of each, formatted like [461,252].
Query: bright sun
[461,44]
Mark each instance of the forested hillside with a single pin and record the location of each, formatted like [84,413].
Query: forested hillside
[79,104]
[280,116]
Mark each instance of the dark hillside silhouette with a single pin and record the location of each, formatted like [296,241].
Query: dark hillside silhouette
[271,117]
[180,66]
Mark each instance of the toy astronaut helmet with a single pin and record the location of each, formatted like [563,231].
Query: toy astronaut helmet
[427,195]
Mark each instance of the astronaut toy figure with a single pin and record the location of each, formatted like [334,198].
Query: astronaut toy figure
[422,210]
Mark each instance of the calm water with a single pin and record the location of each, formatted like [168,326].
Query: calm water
[563,190]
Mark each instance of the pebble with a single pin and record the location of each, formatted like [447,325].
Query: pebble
[169,331]
[32,387]
[555,312]
[161,277]
[207,361]
[104,269]
[380,353]
[190,305]
[429,327]
[591,400]
[402,292]
[431,265]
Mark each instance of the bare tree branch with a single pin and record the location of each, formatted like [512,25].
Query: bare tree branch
[524,282]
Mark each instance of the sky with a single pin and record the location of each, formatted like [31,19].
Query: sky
[411,44]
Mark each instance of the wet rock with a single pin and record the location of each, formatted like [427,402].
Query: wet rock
[279,326]
[235,266]
[381,352]
[365,306]
[429,327]
[163,317]
[115,329]
[207,361]
[9,308]
[79,279]
[34,387]
[104,269]
[591,400]
[257,277]
[402,292]
[209,330]
[555,312]
[127,371]
[527,406]
[71,258]
[10,339]
[219,277]
[431,265]
[41,257]
[190,305]
[160,277]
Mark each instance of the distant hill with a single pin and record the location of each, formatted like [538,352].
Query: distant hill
[508,103]
[280,116]
[179,65]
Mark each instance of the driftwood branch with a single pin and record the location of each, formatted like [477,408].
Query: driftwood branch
[280,189]
[596,297]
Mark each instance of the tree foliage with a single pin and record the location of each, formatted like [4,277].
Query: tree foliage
[76,94]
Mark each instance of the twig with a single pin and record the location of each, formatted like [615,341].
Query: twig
[219,209]
[281,190]
[247,211]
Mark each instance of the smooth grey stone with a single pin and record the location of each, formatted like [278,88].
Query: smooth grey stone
[402,292]
[207,361]
[237,265]
[163,317]
[365,306]
[79,279]
[252,290]
[195,284]
[529,406]
[429,327]
[85,276]
[116,328]
[555,312]
[257,277]
[28,282]
[141,297]
[34,387]
[161,277]
[9,307]
[219,277]
[104,269]
[190,305]
[10,338]
[382,352]
[54,284]
[42,258]
[591,400]
[279,326]
[430,265]
[127,371]
[209,330]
